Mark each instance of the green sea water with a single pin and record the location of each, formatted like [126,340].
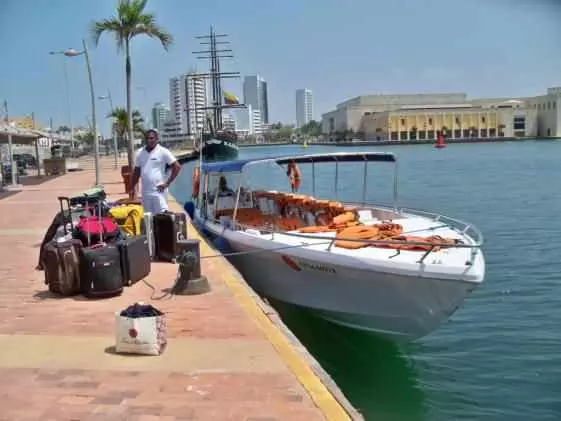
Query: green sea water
[499,356]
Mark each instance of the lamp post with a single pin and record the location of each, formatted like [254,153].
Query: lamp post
[67,89]
[113,132]
[70,52]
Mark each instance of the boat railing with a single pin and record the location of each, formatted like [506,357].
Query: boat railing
[455,224]
[461,227]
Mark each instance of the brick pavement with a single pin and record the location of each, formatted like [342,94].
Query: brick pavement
[223,362]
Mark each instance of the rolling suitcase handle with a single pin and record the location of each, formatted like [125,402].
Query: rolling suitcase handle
[61,200]
[100,227]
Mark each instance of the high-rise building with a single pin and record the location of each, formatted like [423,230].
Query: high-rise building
[188,98]
[160,114]
[304,108]
[248,120]
[255,94]
[228,122]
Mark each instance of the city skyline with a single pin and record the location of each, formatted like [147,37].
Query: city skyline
[334,65]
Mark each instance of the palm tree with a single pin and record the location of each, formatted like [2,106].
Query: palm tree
[121,122]
[131,20]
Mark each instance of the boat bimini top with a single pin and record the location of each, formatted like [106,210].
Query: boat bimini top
[237,166]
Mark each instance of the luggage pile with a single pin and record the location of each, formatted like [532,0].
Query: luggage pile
[95,248]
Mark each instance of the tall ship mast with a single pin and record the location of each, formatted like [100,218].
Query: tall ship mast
[215,143]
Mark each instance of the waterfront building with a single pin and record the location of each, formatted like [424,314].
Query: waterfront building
[188,98]
[421,116]
[255,94]
[248,121]
[160,114]
[228,122]
[459,122]
[304,107]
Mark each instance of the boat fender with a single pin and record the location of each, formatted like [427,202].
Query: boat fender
[196,181]
[190,209]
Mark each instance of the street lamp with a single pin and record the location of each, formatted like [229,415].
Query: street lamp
[67,89]
[71,52]
[113,132]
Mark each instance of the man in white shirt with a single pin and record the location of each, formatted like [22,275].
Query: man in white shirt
[150,167]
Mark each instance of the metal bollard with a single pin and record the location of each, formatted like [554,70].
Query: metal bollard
[190,281]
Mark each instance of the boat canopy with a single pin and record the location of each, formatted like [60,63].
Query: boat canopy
[239,165]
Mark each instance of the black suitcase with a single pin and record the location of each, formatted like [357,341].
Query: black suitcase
[135,259]
[100,269]
[169,227]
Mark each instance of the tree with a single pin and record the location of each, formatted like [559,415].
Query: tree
[130,21]
[312,128]
[282,135]
[86,138]
[121,122]
[63,129]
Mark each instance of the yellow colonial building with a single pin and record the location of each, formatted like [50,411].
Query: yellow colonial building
[422,116]
[458,122]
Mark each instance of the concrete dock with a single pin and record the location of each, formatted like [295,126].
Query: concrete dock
[229,357]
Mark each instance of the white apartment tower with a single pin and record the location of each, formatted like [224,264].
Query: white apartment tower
[187,100]
[160,114]
[304,108]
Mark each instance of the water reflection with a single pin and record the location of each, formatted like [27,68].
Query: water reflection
[377,377]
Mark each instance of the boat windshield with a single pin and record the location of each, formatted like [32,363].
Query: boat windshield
[219,193]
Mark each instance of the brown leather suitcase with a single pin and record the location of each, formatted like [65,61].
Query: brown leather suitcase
[62,266]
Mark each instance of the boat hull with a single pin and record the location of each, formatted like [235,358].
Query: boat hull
[219,150]
[399,307]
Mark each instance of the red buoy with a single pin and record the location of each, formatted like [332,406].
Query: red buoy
[440,141]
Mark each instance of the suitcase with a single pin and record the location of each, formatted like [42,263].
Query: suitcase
[135,259]
[100,271]
[100,268]
[62,268]
[169,227]
[148,230]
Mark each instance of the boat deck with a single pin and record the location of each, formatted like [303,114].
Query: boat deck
[445,259]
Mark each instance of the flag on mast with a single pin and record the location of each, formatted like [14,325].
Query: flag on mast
[231,99]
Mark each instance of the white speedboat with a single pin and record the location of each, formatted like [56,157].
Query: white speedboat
[382,269]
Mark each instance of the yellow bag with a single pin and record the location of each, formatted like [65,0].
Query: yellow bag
[129,218]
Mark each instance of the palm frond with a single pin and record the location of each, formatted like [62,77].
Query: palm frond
[147,25]
[112,26]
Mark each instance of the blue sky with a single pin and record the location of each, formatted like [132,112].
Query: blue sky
[339,49]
